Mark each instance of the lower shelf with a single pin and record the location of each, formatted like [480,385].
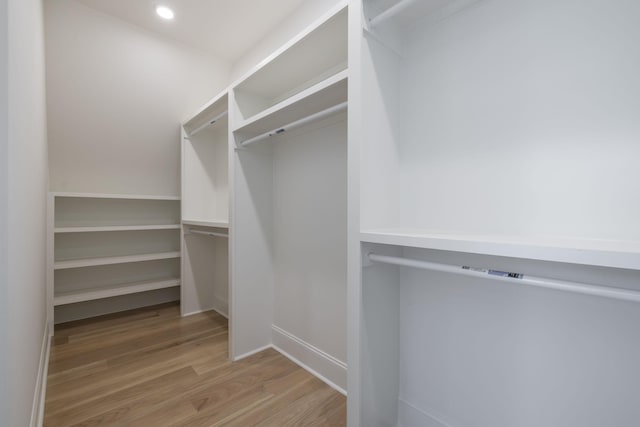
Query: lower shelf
[113,291]
[203,223]
[89,262]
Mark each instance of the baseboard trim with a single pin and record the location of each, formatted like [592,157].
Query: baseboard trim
[221,313]
[322,365]
[252,352]
[221,306]
[411,415]
[37,410]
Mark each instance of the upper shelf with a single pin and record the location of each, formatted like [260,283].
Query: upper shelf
[321,96]
[314,55]
[213,113]
[603,253]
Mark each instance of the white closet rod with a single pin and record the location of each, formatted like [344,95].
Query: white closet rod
[298,123]
[396,8]
[505,276]
[208,233]
[209,123]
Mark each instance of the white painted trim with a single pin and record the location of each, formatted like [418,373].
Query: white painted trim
[324,366]
[251,353]
[37,410]
[411,415]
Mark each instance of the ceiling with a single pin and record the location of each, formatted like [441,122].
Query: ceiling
[224,28]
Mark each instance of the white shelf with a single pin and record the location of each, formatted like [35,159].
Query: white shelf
[215,224]
[604,253]
[214,108]
[115,228]
[327,93]
[113,291]
[114,196]
[90,262]
[315,54]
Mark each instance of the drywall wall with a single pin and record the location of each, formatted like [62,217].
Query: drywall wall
[310,243]
[4,135]
[476,352]
[26,159]
[538,102]
[301,18]
[116,95]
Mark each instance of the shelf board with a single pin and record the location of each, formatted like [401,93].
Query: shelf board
[113,196]
[90,262]
[215,224]
[113,291]
[115,228]
[327,93]
[211,109]
[301,62]
[603,253]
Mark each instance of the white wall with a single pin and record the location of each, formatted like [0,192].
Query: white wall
[528,114]
[116,96]
[4,134]
[475,352]
[300,19]
[310,243]
[23,201]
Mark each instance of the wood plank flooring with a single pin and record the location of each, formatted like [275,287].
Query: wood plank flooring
[150,367]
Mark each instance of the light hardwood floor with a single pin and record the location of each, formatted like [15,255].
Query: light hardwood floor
[150,367]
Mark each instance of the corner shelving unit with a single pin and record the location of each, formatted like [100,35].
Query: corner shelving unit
[105,247]
[289,209]
[205,209]
[494,153]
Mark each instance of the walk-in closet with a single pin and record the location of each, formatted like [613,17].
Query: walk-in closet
[361,213]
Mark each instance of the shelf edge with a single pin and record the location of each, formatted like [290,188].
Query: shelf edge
[523,250]
[93,262]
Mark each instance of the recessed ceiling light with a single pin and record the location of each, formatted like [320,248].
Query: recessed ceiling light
[164,12]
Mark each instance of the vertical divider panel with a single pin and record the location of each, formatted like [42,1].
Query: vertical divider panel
[251,248]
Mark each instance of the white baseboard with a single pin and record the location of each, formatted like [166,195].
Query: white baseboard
[324,366]
[252,352]
[221,306]
[218,307]
[37,410]
[411,416]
